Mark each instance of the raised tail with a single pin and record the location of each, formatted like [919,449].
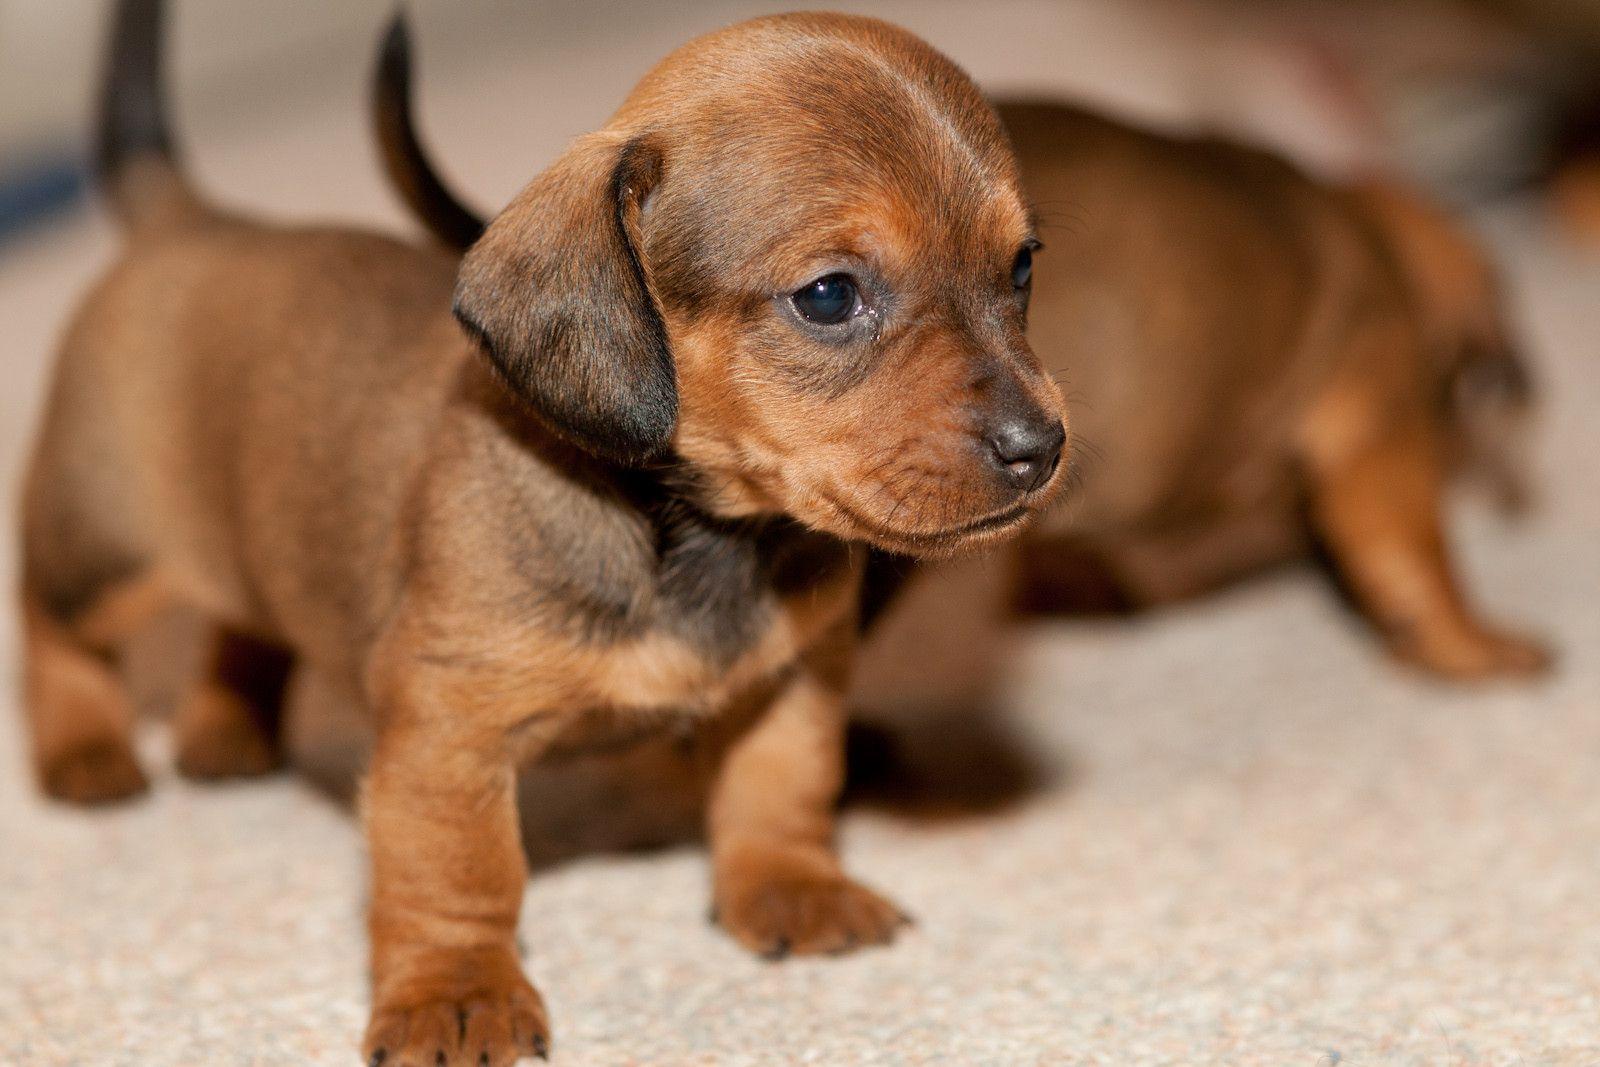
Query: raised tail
[135,160]
[404,159]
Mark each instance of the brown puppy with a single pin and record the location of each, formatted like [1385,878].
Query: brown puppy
[773,310]
[1266,364]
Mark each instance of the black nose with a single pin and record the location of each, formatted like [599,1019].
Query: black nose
[1027,449]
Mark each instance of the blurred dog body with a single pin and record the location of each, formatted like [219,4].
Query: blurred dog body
[1266,363]
[623,491]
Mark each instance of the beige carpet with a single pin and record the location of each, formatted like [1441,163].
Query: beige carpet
[1261,844]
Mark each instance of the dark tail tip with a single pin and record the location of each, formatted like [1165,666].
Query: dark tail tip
[404,159]
[133,112]
[394,59]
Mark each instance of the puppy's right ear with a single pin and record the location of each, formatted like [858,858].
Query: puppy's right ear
[556,295]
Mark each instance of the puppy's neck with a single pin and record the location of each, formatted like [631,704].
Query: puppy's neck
[669,493]
[676,489]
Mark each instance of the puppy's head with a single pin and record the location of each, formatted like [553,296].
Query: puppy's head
[797,262]
[1482,387]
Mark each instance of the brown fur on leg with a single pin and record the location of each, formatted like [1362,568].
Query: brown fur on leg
[447,881]
[447,866]
[1375,475]
[778,884]
[228,725]
[1379,515]
[79,715]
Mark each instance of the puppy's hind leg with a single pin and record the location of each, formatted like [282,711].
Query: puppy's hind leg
[77,707]
[228,725]
[1378,510]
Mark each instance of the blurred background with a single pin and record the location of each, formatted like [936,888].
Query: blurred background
[1249,839]
[1479,98]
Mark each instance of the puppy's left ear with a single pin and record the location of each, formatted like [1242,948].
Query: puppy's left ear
[556,295]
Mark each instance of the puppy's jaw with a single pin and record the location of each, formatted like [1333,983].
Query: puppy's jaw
[907,477]
[937,544]
[835,510]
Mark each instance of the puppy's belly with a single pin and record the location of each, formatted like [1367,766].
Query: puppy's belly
[1162,565]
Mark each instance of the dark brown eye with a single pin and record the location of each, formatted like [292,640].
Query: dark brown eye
[1022,269]
[829,300]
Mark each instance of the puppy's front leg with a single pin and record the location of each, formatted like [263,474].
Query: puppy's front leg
[447,883]
[1378,508]
[777,883]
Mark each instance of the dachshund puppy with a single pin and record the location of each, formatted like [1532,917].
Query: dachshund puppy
[770,314]
[1269,367]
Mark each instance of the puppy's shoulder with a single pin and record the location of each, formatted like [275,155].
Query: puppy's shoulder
[522,525]
[1116,172]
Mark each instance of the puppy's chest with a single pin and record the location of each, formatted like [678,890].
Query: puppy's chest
[723,608]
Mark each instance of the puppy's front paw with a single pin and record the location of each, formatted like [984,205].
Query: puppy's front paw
[1477,654]
[475,1023]
[783,903]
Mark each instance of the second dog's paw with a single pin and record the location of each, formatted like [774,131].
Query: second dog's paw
[1478,654]
[777,907]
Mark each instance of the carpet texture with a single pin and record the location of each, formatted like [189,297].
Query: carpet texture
[1255,841]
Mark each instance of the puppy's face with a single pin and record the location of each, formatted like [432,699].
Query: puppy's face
[821,220]
[850,342]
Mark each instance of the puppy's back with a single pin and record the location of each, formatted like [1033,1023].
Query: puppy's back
[210,375]
[1173,299]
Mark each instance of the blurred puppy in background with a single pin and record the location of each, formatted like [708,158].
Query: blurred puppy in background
[1264,366]
[772,313]
[1268,364]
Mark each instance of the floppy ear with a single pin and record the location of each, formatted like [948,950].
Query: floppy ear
[556,295]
